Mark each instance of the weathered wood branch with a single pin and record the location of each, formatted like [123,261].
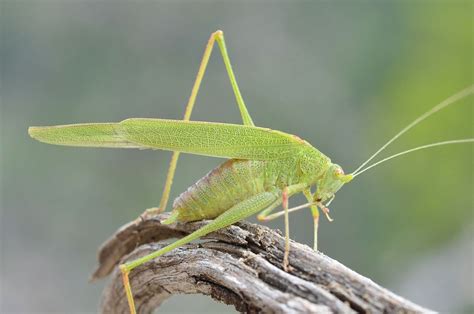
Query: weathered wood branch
[239,265]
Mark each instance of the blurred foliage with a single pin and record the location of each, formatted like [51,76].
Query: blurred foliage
[345,76]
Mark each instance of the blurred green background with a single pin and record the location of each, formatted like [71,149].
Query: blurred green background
[345,76]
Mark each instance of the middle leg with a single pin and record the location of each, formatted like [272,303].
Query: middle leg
[287,229]
[265,216]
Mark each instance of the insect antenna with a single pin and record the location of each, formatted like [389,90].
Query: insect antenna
[448,101]
[460,141]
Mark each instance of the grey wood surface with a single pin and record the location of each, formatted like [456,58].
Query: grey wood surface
[239,265]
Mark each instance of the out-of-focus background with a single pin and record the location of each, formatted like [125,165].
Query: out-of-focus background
[345,76]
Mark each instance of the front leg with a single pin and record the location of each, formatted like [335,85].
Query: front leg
[315,213]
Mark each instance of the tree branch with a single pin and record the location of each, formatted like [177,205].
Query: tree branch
[240,265]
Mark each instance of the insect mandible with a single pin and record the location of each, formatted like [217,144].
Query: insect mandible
[264,168]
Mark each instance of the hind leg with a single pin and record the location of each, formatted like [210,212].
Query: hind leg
[238,212]
[246,119]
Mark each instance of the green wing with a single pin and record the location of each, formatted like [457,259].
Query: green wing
[194,137]
[83,134]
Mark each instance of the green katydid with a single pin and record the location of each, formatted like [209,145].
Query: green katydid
[264,167]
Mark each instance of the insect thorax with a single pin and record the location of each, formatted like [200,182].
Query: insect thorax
[313,165]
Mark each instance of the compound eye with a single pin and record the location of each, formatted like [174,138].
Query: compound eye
[339,172]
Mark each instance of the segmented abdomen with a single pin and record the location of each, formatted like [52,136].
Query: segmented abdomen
[228,184]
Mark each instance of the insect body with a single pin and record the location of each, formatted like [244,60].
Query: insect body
[264,167]
[235,180]
[229,184]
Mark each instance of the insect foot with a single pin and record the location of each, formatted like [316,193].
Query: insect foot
[286,266]
[149,213]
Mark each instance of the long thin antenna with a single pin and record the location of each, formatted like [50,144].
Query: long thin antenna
[450,100]
[467,140]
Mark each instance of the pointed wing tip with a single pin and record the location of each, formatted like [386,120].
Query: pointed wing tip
[83,135]
[37,133]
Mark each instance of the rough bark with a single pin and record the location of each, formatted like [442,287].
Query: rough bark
[239,265]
